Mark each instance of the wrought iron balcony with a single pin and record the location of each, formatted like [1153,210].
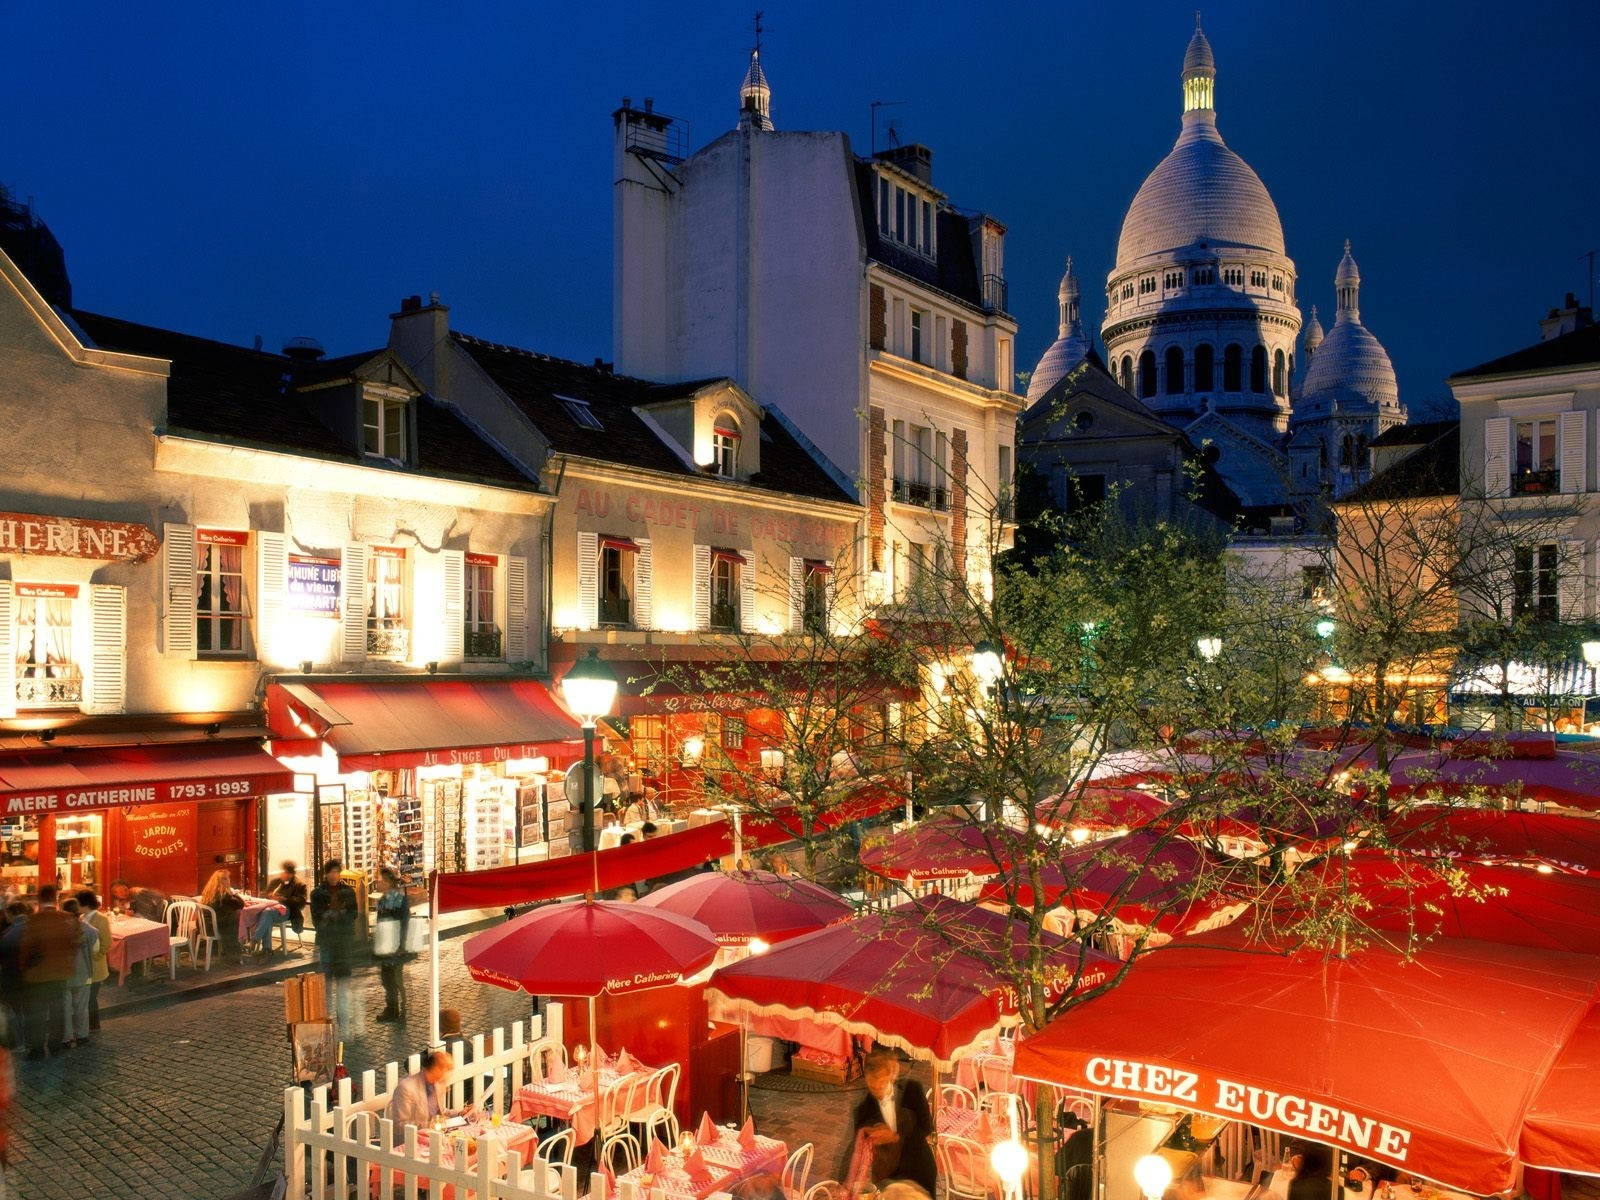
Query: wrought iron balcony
[482,643]
[388,642]
[924,495]
[47,687]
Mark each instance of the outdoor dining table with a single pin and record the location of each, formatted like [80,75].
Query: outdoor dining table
[250,916]
[569,1100]
[133,939]
[727,1165]
[510,1135]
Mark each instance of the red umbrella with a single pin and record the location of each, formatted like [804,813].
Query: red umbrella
[1099,809]
[1542,840]
[942,846]
[1429,1063]
[1142,878]
[1561,777]
[920,976]
[586,949]
[740,906]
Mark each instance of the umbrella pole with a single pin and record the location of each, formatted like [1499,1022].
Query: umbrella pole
[744,1069]
[594,1050]
[433,961]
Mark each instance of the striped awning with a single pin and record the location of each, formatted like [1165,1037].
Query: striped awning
[1571,678]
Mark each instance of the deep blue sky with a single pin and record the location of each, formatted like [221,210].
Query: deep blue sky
[292,168]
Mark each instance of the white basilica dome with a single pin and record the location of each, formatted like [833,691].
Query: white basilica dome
[1349,370]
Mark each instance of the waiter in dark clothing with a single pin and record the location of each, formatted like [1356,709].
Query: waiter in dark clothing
[898,1123]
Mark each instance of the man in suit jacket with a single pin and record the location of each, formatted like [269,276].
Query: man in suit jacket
[897,1122]
[418,1099]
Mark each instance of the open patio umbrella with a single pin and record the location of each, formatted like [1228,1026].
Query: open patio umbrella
[740,906]
[588,948]
[1439,1064]
[1098,809]
[941,846]
[1541,840]
[1140,878]
[1567,778]
[920,976]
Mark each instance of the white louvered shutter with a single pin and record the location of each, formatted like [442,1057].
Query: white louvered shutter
[8,654]
[455,600]
[797,595]
[702,587]
[353,598]
[272,582]
[108,656]
[1574,455]
[1572,573]
[1497,456]
[516,609]
[828,617]
[747,595]
[644,585]
[588,580]
[177,590]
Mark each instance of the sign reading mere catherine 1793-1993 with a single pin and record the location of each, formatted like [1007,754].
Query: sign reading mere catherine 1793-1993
[76,537]
[312,585]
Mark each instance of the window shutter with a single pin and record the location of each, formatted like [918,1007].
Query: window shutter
[272,581]
[455,599]
[827,601]
[108,657]
[1573,455]
[516,609]
[702,587]
[1497,456]
[1572,576]
[797,595]
[177,587]
[353,584]
[644,585]
[588,580]
[8,654]
[747,595]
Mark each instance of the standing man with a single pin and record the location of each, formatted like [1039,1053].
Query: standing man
[334,910]
[49,953]
[91,916]
[896,1122]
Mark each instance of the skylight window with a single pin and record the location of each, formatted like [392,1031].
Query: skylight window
[580,412]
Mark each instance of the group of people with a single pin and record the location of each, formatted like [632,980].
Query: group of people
[53,959]
[336,914]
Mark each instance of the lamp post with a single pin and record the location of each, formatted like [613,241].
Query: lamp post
[590,689]
[772,764]
[1210,647]
[1153,1175]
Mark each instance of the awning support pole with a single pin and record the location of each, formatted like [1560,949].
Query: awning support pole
[433,960]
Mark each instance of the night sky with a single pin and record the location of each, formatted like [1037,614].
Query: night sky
[296,168]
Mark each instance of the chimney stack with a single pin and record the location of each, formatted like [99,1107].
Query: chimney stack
[1569,318]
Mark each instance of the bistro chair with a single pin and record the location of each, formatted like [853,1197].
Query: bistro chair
[797,1171]
[627,1146]
[616,1105]
[825,1189]
[964,1168]
[999,1106]
[656,1110]
[557,1148]
[544,1056]
[953,1095]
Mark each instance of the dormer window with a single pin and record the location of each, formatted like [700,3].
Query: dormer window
[725,447]
[383,426]
[905,216]
[580,412]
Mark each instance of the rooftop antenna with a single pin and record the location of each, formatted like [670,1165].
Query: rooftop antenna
[759,15]
[876,105]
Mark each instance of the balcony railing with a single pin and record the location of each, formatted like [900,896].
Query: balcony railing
[616,611]
[388,642]
[1536,483]
[923,495]
[482,643]
[46,687]
[994,292]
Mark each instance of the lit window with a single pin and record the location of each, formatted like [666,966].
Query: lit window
[1536,577]
[383,427]
[616,581]
[580,412]
[219,591]
[725,449]
[1536,458]
[814,616]
[386,615]
[725,566]
[733,733]
[46,673]
[482,634]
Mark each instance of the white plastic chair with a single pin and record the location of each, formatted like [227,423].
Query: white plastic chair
[953,1095]
[557,1148]
[797,1171]
[191,926]
[963,1167]
[624,1144]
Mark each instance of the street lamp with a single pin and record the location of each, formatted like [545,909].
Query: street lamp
[1153,1174]
[1010,1161]
[987,662]
[590,689]
[772,763]
[1325,628]
[1209,647]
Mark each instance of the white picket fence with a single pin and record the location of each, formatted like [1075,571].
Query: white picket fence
[336,1146]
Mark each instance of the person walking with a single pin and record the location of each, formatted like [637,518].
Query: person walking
[75,1006]
[389,942]
[334,911]
[49,958]
[12,989]
[90,914]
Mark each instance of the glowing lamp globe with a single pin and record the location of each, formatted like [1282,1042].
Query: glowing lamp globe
[987,662]
[1009,1160]
[1153,1174]
[590,688]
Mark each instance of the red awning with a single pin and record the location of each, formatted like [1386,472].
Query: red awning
[730,555]
[815,566]
[423,722]
[73,780]
[1434,1064]
[628,545]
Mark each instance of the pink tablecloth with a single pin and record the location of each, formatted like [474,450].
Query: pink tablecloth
[568,1101]
[812,1034]
[727,1165]
[133,939]
[250,914]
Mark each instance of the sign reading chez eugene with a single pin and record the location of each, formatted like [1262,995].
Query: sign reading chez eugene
[1248,1102]
[74,537]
